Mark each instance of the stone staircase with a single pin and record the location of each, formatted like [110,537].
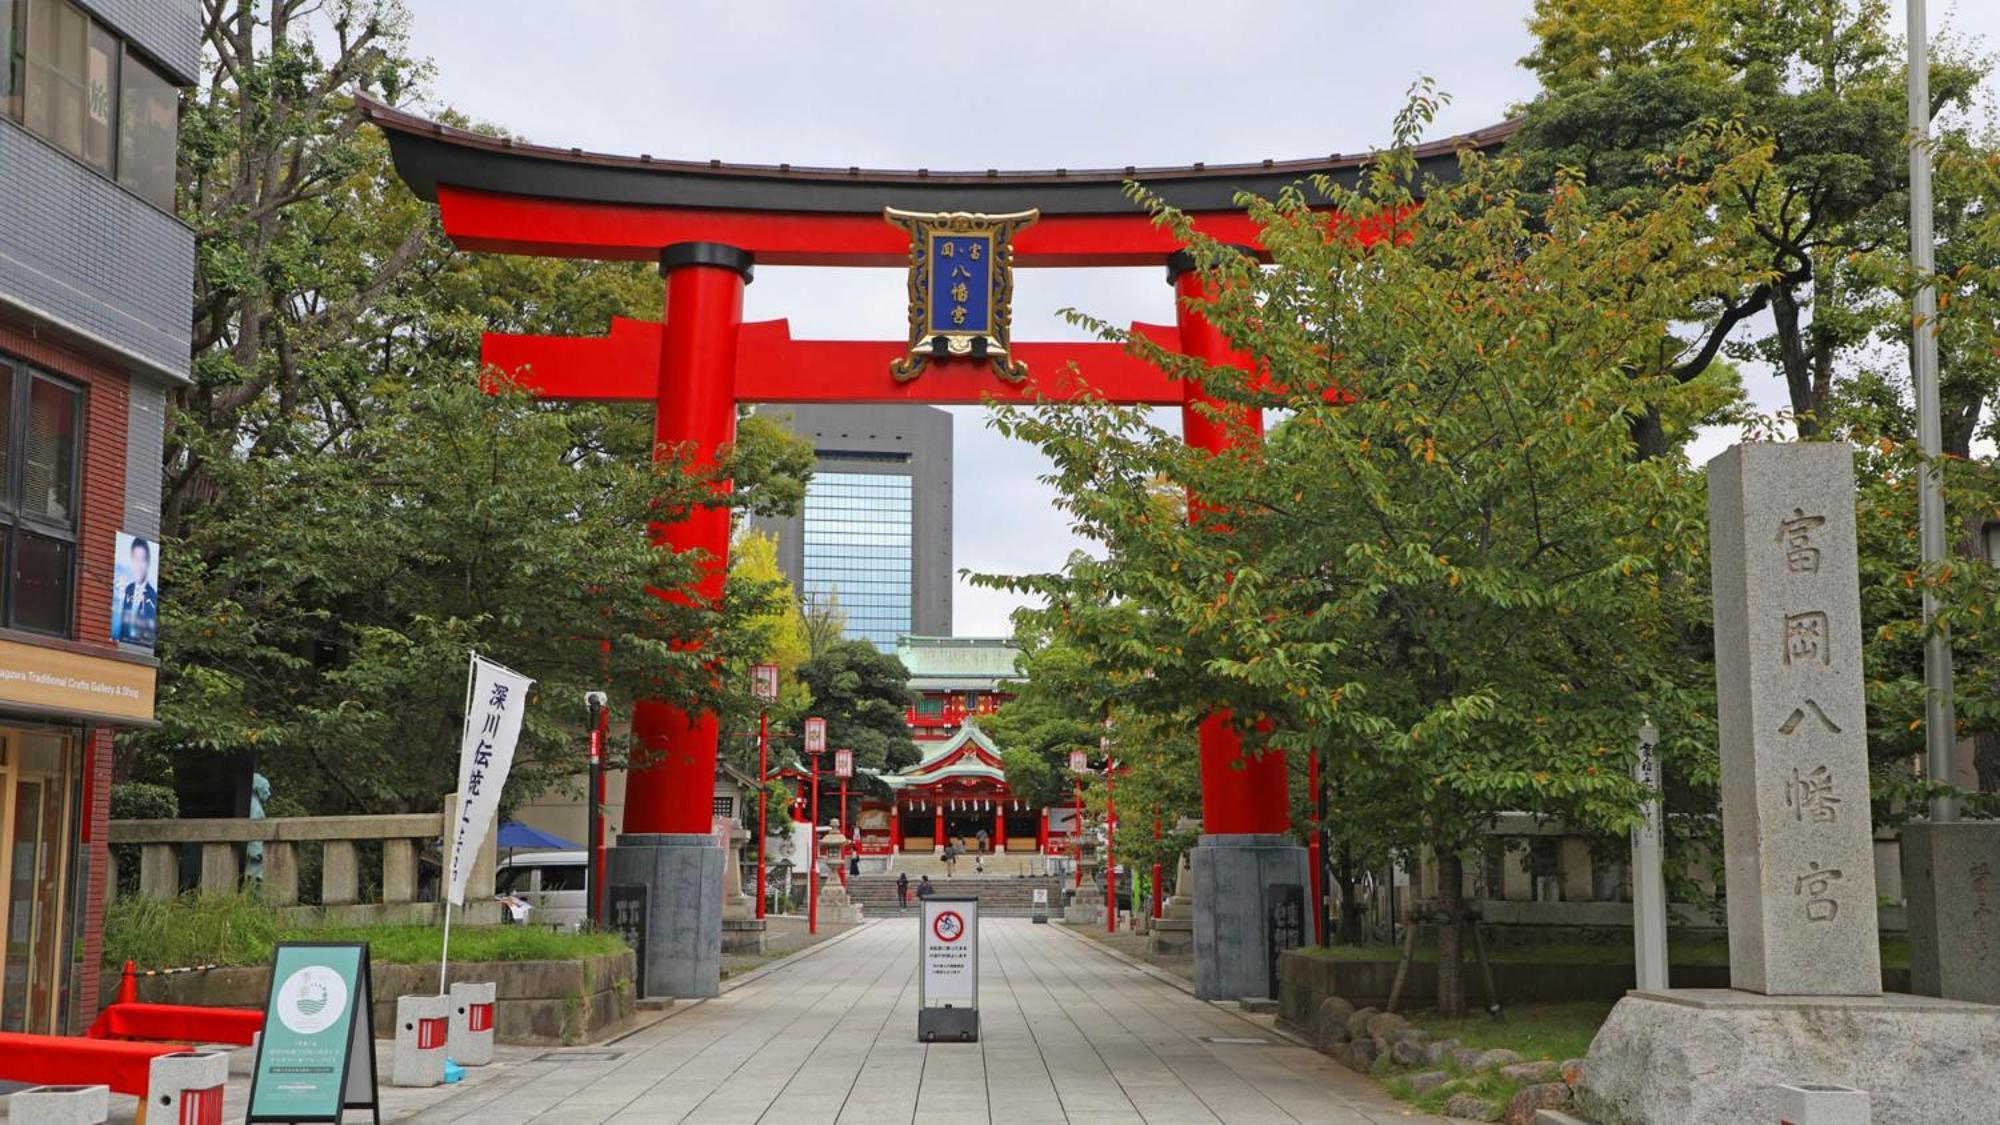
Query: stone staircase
[1000,896]
[1003,863]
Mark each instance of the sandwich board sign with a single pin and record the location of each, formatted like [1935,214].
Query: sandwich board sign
[316,1057]
[948,972]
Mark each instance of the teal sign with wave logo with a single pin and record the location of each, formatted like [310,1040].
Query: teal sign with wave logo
[317,1054]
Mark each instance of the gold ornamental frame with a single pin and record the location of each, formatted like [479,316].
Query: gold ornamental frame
[991,346]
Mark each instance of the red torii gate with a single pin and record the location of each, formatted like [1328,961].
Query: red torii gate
[706,223]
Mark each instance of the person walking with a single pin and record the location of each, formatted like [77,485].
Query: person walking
[950,858]
[985,841]
[903,890]
[924,888]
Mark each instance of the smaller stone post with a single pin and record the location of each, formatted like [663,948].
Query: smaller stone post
[1649,888]
[470,1039]
[59,1105]
[423,1028]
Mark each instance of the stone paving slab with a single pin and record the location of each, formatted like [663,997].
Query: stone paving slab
[1068,1033]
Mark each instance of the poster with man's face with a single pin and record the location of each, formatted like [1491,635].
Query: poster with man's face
[135,592]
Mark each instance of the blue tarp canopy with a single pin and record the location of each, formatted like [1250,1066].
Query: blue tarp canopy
[514,834]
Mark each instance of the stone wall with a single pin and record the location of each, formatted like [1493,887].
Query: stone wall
[540,1002]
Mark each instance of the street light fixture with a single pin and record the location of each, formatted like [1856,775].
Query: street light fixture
[815,745]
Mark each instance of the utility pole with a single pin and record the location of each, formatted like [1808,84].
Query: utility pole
[1940,722]
[598,705]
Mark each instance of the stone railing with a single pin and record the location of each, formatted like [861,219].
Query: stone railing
[403,838]
[1547,875]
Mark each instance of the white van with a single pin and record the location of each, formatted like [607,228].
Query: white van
[551,882]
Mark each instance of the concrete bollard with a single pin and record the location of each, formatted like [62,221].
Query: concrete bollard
[423,1024]
[60,1105]
[472,1023]
[185,1088]
[1807,1104]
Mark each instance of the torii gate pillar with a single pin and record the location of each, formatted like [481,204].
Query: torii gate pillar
[1245,865]
[668,845]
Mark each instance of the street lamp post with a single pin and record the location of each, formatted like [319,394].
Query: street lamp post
[843,768]
[596,703]
[1110,846]
[1079,763]
[815,740]
[763,685]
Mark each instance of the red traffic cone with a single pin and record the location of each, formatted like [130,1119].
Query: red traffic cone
[128,986]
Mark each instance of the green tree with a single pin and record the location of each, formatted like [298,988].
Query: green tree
[863,694]
[347,511]
[1448,571]
[1624,82]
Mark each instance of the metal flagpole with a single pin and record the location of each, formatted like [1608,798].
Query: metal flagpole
[1940,723]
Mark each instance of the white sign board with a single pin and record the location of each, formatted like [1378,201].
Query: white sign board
[950,975]
[1041,896]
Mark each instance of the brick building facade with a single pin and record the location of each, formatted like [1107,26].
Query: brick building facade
[95,276]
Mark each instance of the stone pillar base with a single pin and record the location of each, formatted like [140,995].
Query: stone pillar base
[1951,875]
[743,935]
[1717,1056]
[1233,877]
[683,876]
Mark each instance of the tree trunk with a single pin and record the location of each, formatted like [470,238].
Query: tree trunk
[1451,897]
[1350,929]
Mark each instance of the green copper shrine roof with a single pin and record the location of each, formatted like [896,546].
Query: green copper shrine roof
[957,757]
[957,663]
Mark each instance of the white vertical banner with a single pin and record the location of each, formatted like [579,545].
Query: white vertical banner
[497,703]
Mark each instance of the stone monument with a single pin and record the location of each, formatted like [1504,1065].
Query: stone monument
[1805,1006]
[1951,875]
[1173,930]
[742,930]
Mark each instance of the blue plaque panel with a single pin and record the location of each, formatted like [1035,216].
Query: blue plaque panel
[961,283]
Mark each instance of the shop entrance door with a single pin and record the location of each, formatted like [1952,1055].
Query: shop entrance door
[37,776]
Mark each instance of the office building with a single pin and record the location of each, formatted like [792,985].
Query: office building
[874,536]
[96,277]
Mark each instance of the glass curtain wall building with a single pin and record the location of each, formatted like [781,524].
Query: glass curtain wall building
[874,537]
[857,552]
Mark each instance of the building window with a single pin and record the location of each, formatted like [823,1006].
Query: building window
[857,552]
[69,79]
[41,426]
[13,40]
[147,127]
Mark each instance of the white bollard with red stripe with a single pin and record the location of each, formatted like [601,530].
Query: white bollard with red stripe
[185,1088]
[423,1024]
[59,1105]
[472,1023]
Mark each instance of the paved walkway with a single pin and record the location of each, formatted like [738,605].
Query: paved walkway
[1069,1033]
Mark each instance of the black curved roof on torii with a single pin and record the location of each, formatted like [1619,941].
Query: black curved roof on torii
[429,153]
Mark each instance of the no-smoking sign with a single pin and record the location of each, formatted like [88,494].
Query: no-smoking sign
[948,926]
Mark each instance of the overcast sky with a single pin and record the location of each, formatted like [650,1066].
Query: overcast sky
[1021,84]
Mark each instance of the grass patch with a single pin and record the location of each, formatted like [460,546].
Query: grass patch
[1556,1030]
[239,929]
[1552,1031]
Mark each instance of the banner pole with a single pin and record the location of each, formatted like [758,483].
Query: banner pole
[444,955]
[444,952]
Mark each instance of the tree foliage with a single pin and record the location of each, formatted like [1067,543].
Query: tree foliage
[1448,570]
[347,511]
